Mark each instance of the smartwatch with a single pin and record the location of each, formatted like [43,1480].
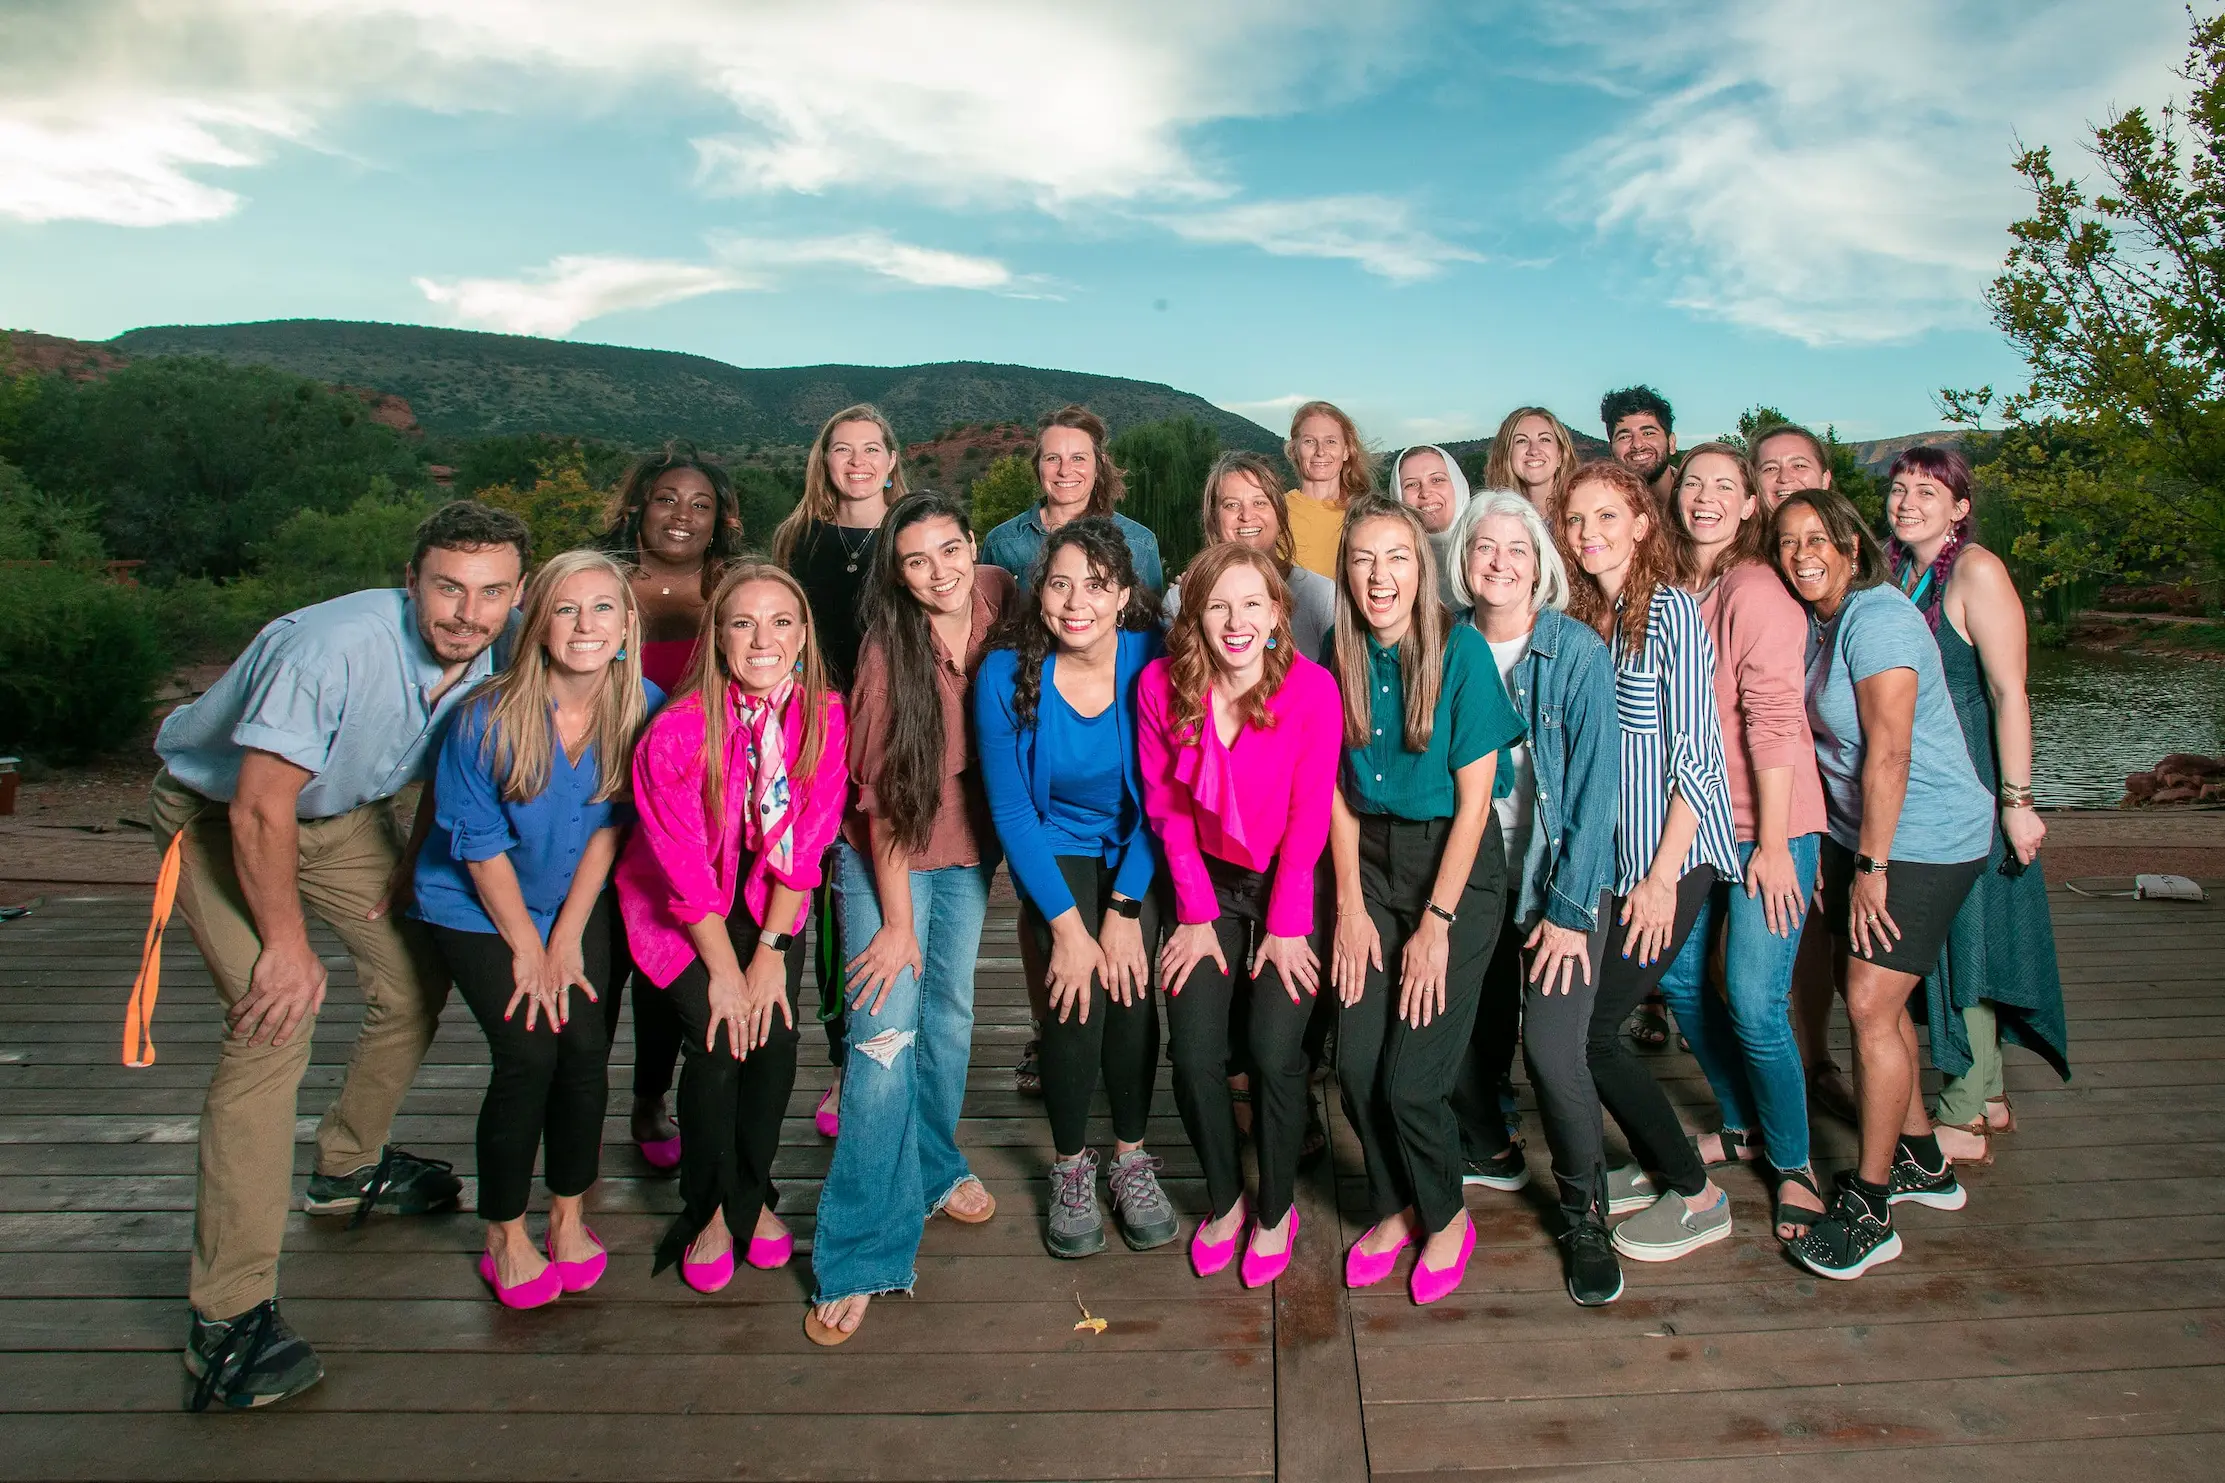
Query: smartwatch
[1867,866]
[780,942]
[1123,906]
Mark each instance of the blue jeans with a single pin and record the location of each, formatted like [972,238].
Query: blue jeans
[904,1080]
[1746,1046]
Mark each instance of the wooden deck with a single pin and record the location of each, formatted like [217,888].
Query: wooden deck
[2070,1323]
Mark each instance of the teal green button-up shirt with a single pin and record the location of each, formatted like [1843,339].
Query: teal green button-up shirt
[1473,720]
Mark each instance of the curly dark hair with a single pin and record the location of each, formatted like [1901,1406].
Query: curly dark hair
[1633,401]
[1022,628]
[467,525]
[910,787]
[622,536]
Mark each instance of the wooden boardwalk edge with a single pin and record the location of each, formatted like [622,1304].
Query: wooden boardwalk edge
[1320,1433]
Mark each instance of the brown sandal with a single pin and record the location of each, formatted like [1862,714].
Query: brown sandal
[826,1335]
[977,1217]
[1975,1128]
[2008,1114]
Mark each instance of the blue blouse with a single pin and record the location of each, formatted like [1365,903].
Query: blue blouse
[544,836]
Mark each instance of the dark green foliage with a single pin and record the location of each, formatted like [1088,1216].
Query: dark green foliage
[517,459]
[465,384]
[314,555]
[40,527]
[191,462]
[766,495]
[1166,464]
[79,660]
[1004,489]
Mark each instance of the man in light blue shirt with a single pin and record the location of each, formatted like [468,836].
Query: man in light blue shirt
[277,792]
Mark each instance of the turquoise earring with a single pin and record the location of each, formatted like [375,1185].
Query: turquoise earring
[1270,641]
[621,656]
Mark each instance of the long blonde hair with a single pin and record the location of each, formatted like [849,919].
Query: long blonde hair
[1498,469]
[520,738]
[818,495]
[1421,653]
[1357,476]
[708,678]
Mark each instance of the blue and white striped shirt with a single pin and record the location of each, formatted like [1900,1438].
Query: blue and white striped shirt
[1672,742]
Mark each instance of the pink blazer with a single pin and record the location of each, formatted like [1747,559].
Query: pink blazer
[673,872]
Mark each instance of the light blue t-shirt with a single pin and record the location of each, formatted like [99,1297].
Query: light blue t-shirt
[1947,817]
[342,689]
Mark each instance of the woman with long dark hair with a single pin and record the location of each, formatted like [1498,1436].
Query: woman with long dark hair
[1674,836]
[1998,979]
[1055,708]
[740,785]
[912,883]
[1238,739]
[1421,878]
[528,802]
[1910,827]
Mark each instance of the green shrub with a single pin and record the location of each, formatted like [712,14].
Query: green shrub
[41,527]
[1004,489]
[1165,464]
[312,555]
[80,657]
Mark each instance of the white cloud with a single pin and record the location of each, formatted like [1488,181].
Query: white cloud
[1274,411]
[128,166]
[1376,232]
[572,290]
[877,253]
[1840,173]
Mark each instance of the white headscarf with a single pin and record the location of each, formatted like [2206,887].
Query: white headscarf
[1442,541]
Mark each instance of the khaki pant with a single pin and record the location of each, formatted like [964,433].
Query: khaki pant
[247,1123]
[1962,1099]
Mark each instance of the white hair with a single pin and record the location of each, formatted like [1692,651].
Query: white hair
[1552,574]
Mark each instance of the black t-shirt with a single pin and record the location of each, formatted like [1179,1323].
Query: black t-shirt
[831,563]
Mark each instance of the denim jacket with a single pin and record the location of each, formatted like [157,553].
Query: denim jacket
[1564,690]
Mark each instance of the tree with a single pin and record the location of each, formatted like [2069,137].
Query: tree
[563,509]
[41,527]
[1004,489]
[1165,464]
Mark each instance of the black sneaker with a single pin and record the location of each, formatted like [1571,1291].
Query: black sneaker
[1594,1276]
[251,1360]
[1857,1235]
[1504,1170]
[399,1183]
[1911,1181]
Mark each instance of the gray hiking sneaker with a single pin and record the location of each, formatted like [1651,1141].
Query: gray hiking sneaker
[400,1183]
[1629,1188]
[1077,1226]
[1146,1217]
[1668,1228]
[251,1360]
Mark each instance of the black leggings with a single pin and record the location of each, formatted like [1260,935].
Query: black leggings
[730,1109]
[1397,1081]
[1119,1042]
[656,1027]
[1626,1088]
[548,1084]
[1198,1023]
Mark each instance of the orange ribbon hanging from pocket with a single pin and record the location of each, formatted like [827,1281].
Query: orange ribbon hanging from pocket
[139,1016]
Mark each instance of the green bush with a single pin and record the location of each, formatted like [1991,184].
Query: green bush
[40,527]
[80,657]
[1004,489]
[312,555]
[1165,464]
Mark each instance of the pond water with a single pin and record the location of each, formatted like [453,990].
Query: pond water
[2097,716]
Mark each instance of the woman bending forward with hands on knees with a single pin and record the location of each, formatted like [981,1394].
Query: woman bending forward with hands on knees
[528,801]
[1998,979]
[1909,826]
[1238,736]
[1554,796]
[1673,829]
[1421,878]
[1055,713]
[740,784]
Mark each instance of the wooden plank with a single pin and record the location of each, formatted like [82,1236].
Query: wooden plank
[1320,1434]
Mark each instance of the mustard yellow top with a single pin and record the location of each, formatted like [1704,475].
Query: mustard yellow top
[1315,527]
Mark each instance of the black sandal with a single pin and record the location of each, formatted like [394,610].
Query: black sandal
[1797,1215]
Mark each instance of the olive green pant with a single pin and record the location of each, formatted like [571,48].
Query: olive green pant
[247,1121]
[1963,1098]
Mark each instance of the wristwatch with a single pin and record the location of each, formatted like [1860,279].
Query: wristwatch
[780,942]
[1867,866]
[1123,906]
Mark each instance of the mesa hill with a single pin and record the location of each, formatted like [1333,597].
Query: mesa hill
[467,384]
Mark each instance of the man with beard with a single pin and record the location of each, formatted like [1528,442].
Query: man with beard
[278,790]
[1641,432]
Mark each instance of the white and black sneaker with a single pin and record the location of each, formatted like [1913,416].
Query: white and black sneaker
[1504,1170]
[1910,1182]
[1857,1235]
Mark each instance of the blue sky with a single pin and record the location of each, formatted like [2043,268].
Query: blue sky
[1429,213]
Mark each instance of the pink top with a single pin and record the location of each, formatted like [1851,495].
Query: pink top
[1761,646]
[1263,802]
[672,873]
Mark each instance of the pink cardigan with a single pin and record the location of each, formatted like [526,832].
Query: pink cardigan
[1761,645]
[1264,802]
[672,873]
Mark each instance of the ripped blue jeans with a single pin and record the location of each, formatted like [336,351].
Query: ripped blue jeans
[903,1082]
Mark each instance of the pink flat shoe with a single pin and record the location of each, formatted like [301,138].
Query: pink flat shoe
[769,1255]
[534,1292]
[1208,1257]
[1429,1284]
[580,1276]
[1363,1270]
[1259,1270]
[662,1154]
[708,1276]
[828,1123]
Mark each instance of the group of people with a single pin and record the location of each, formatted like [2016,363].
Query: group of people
[1392,778]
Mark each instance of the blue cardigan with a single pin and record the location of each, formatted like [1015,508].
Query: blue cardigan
[1016,767]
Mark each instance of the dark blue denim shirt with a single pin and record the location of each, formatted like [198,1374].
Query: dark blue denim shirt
[1564,690]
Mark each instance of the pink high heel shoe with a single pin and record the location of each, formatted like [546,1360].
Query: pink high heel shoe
[1209,1257]
[664,1153]
[1363,1270]
[710,1276]
[1259,1270]
[579,1276]
[1428,1284]
[534,1292]
[768,1254]
[828,1123]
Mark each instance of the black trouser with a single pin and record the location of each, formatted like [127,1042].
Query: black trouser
[1323,940]
[1121,1043]
[1397,1080]
[1198,1026]
[1553,1030]
[730,1109]
[656,1027]
[549,1084]
[1626,1087]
